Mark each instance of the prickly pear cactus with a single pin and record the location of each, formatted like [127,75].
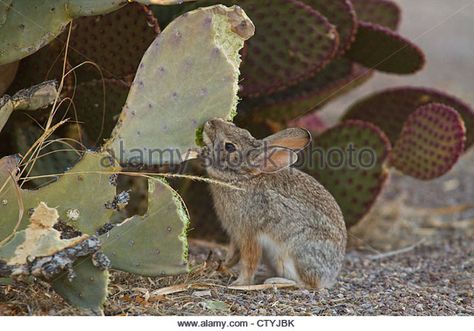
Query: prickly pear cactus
[19,21]
[342,15]
[312,94]
[153,244]
[114,42]
[351,165]
[431,142]
[378,47]
[293,42]
[38,239]
[40,251]
[169,98]
[71,193]
[87,289]
[389,109]
[33,98]
[381,12]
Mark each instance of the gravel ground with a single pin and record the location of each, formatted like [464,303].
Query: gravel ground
[434,278]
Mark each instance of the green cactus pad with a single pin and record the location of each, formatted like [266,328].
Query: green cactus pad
[115,42]
[389,109]
[431,142]
[77,207]
[381,12]
[7,75]
[88,290]
[341,14]
[354,184]
[55,157]
[379,48]
[10,198]
[153,244]
[176,91]
[98,104]
[337,78]
[25,28]
[33,98]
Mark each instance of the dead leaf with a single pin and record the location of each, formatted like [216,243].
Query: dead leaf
[259,287]
[170,289]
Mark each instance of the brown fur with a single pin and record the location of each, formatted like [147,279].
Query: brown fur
[287,211]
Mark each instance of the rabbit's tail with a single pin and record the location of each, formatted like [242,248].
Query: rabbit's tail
[318,263]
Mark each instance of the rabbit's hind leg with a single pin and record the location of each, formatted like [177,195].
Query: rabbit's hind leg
[278,259]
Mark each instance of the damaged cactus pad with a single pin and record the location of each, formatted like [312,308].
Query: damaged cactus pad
[33,98]
[68,263]
[171,97]
[153,244]
[71,192]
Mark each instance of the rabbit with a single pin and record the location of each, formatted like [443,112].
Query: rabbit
[278,211]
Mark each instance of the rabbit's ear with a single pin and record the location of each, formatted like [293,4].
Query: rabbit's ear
[273,159]
[295,139]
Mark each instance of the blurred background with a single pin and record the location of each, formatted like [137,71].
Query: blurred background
[410,209]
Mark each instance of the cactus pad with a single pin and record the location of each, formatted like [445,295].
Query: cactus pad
[169,98]
[354,184]
[77,207]
[341,14]
[381,12]
[38,239]
[379,48]
[431,142]
[390,108]
[11,204]
[293,42]
[153,244]
[88,289]
[33,98]
[33,249]
[338,77]
[20,35]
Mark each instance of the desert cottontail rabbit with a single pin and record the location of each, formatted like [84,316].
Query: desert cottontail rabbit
[279,210]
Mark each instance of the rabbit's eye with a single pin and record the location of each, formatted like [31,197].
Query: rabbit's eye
[230,148]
